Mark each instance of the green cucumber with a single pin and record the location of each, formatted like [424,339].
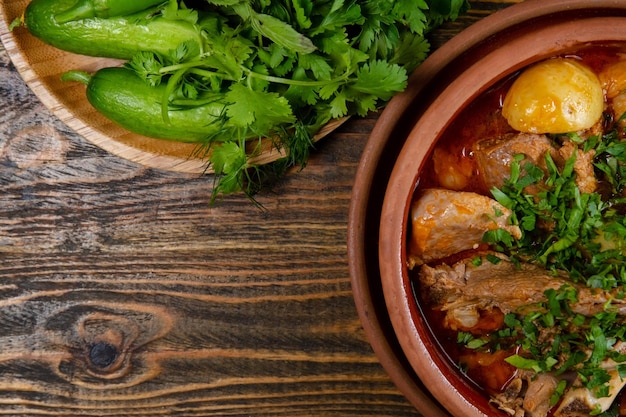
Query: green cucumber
[125,99]
[84,9]
[118,37]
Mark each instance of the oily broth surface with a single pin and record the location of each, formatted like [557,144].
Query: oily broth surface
[480,120]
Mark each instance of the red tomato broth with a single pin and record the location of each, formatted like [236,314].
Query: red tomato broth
[482,119]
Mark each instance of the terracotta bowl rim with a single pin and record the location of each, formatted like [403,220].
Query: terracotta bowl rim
[391,361]
[404,312]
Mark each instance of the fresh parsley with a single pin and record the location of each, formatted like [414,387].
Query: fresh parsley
[288,67]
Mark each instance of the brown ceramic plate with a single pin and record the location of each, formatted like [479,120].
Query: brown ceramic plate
[41,66]
[395,124]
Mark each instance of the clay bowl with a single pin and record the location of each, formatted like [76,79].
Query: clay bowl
[41,67]
[400,144]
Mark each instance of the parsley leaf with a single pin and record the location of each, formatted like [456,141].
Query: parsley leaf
[245,112]
[380,79]
[287,67]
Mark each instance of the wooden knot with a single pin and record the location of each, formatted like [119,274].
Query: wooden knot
[109,345]
[107,342]
[102,355]
[36,146]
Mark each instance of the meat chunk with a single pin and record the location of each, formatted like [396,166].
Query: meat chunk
[527,395]
[466,288]
[511,399]
[583,166]
[447,222]
[494,156]
[579,401]
[537,398]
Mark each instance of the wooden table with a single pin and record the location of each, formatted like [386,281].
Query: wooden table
[123,293]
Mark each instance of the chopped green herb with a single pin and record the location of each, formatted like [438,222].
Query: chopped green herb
[582,234]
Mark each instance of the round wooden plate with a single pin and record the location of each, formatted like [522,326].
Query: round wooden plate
[41,67]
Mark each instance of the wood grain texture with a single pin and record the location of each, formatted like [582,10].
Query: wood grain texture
[123,293]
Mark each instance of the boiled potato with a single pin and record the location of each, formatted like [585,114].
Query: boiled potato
[613,79]
[619,108]
[555,96]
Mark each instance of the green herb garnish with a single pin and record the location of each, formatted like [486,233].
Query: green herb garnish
[583,234]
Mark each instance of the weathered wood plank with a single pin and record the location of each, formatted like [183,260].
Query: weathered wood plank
[123,293]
